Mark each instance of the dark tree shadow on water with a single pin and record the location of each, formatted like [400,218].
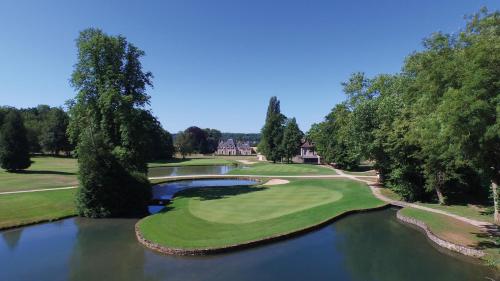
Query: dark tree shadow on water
[12,237]
[212,193]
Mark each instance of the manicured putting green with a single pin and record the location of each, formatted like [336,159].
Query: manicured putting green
[218,217]
[248,207]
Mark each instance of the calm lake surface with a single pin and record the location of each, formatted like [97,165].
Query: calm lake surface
[167,190]
[364,247]
[190,170]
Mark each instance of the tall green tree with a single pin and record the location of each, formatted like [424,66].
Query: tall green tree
[292,139]
[198,139]
[213,138]
[157,142]
[105,118]
[272,132]
[183,144]
[14,147]
[107,188]
[470,113]
[53,137]
[334,138]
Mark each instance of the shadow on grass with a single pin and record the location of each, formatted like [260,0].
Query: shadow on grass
[489,238]
[213,193]
[361,168]
[42,172]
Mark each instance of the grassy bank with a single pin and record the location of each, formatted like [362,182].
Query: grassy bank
[217,217]
[460,233]
[45,172]
[179,162]
[27,208]
[270,169]
[471,211]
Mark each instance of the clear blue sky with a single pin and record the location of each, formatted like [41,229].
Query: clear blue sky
[217,63]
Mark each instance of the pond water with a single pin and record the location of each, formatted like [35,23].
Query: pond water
[190,170]
[165,191]
[364,247]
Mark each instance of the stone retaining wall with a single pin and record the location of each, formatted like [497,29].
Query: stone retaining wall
[464,250]
[207,251]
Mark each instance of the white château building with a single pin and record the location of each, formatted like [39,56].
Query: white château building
[229,147]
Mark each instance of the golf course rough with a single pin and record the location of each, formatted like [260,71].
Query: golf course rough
[213,220]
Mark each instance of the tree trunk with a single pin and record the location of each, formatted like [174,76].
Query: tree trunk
[441,198]
[494,189]
[439,184]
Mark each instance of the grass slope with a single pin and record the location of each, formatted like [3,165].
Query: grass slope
[471,211]
[476,212]
[27,208]
[245,214]
[179,162]
[45,172]
[270,169]
[459,232]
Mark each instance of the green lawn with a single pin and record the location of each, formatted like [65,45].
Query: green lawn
[459,232]
[54,172]
[192,162]
[25,208]
[45,172]
[270,169]
[471,211]
[477,212]
[391,194]
[216,217]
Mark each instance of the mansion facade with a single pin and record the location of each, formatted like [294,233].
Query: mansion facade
[229,147]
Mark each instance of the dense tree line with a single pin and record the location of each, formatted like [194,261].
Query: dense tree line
[197,140]
[252,138]
[45,128]
[432,130]
[280,137]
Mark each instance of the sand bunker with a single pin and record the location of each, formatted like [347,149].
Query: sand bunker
[246,162]
[276,182]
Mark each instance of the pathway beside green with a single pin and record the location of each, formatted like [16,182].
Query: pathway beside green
[219,217]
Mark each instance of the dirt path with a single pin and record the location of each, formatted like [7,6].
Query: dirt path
[37,190]
[376,192]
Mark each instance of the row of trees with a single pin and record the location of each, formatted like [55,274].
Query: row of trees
[197,140]
[252,138]
[432,130]
[45,128]
[280,137]
[31,130]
